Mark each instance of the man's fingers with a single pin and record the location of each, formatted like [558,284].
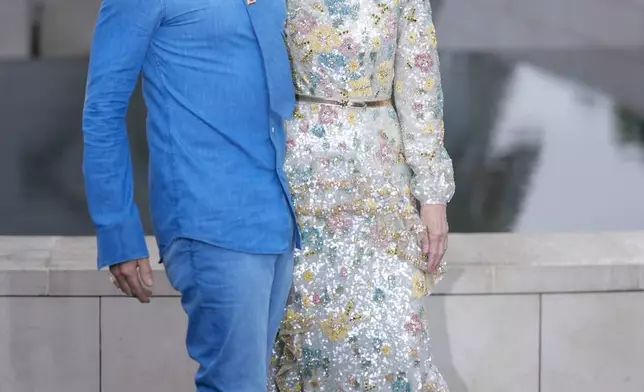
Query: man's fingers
[136,287]
[128,277]
[145,271]
[114,281]
[121,282]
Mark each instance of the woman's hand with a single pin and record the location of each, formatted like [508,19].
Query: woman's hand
[434,242]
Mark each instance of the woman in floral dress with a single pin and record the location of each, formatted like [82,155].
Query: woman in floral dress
[357,167]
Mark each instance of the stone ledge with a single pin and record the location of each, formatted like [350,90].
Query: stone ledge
[479,264]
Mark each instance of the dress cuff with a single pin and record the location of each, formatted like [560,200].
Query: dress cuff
[434,202]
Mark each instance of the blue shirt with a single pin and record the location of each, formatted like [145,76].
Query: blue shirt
[218,87]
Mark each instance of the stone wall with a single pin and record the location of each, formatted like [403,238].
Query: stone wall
[546,24]
[516,313]
[14,29]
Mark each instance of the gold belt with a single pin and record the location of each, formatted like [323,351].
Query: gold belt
[343,102]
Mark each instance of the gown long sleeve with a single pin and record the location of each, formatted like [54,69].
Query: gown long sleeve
[418,98]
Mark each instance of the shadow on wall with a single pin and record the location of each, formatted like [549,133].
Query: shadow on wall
[490,189]
[41,148]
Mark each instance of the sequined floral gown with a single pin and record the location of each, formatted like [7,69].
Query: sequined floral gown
[356,317]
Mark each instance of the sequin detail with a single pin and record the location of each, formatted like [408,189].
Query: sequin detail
[355,320]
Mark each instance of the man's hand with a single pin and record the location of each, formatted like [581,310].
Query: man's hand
[134,278]
[434,242]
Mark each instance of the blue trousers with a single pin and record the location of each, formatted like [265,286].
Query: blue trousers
[234,302]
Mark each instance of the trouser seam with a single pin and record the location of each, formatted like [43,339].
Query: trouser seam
[195,274]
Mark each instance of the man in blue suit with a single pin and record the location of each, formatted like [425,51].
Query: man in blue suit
[217,84]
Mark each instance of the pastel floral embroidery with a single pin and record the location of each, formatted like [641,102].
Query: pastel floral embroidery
[312,361]
[318,130]
[351,117]
[401,385]
[385,72]
[308,275]
[423,61]
[353,66]
[336,326]
[328,115]
[378,295]
[415,324]
[360,87]
[429,129]
[349,48]
[376,43]
[431,32]
[304,24]
[324,39]
[312,238]
[333,61]
[337,7]
[429,83]
[419,285]
[304,126]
